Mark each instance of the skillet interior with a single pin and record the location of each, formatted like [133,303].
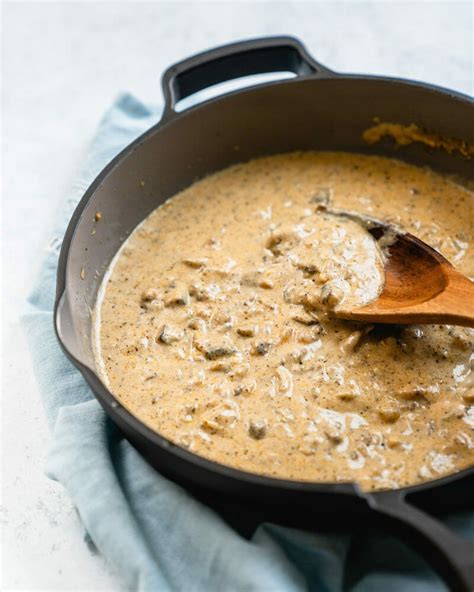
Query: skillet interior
[311,113]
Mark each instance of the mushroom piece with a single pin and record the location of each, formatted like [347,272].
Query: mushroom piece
[176,295]
[333,292]
[310,444]
[197,324]
[265,283]
[169,335]
[213,351]
[305,319]
[246,330]
[262,348]
[221,367]
[257,428]
[354,340]
[389,413]
[281,240]
[284,380]
[204,292]
[149,295]
[347,396]
[195,263]
[245,388]
[468,396]
[334,435]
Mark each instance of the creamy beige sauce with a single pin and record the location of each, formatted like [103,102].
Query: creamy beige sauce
[214,325]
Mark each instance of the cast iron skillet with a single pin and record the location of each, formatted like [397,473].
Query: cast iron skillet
[317,109]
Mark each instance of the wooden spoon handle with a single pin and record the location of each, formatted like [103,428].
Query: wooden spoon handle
[454,305]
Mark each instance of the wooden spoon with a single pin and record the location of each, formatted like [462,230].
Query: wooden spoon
[421,286]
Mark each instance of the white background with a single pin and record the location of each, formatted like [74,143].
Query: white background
[62,65]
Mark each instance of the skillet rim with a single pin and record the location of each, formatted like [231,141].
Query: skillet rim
[114,407]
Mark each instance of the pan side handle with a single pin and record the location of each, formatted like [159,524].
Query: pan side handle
[244,58]
[448,554]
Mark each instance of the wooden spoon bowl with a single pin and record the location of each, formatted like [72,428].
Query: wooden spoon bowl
[421,286]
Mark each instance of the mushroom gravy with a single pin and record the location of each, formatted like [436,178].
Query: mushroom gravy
[213,324]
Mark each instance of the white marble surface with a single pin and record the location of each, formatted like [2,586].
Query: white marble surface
[63,65]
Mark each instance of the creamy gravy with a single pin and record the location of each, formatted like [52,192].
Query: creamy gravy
[214,324]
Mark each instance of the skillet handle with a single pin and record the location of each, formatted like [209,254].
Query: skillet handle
[449,554]
[256,56]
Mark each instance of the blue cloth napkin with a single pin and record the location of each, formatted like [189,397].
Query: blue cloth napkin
[155,534]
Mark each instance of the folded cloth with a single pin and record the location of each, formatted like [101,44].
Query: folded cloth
[155,534]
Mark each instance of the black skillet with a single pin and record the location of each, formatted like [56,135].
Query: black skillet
[317,109]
